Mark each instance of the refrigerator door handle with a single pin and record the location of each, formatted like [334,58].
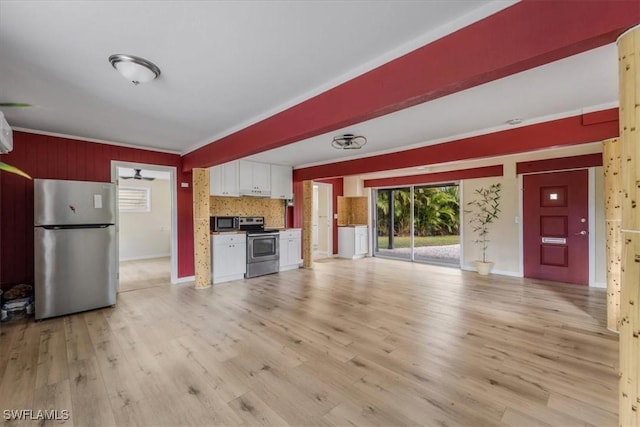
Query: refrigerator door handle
[74,227]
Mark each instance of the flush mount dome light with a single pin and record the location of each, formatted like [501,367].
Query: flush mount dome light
[135,69]
[348,141]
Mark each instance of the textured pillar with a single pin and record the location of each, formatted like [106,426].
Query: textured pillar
[202,235]
[613,219]
[629,73]
[307,224]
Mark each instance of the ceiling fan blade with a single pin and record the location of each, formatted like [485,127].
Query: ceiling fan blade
[148,179]
[127,177]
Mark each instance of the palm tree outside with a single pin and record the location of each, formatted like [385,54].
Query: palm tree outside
[436,222]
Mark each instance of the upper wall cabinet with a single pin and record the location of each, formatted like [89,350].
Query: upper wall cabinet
[281,182]
[255,179]
[224,179]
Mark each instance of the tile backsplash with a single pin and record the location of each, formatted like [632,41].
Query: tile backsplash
[353,210]
[271,209]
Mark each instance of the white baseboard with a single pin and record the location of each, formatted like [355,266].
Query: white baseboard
[598,285]
[290,267]
[185,279]
[494,271]
[138,258]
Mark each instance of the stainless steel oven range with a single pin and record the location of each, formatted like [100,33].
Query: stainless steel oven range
[263,247]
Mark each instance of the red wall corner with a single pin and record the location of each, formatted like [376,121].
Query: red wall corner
[50,157]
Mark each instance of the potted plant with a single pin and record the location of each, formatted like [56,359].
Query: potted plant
[483,210]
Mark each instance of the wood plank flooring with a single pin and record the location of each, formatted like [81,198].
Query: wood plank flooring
[364,342]
[145,273]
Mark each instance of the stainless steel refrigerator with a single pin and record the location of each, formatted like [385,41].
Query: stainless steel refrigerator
[75,246]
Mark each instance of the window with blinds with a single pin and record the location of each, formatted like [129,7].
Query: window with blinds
[134,199]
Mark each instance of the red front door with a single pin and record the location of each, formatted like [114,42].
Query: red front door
[556,226]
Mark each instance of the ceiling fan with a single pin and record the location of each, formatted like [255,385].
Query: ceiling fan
[137,175]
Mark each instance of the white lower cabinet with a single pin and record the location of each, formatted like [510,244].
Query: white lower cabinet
[228,257]
[353,242]
[290,249]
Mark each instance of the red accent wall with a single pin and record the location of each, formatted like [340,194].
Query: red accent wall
[51,157]
[338,190]
[562,163]
[555,133]
[520,37]
[297,204]
[429,178]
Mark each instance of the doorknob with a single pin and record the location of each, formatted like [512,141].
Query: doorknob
[581,233]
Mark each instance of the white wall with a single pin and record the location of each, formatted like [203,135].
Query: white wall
[504,238]
[147,234]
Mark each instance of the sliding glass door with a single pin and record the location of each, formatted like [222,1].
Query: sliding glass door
[436,231]
[418,223]
[393,223]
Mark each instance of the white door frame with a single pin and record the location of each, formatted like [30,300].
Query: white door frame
[115,164]
[592,221]
[329,204]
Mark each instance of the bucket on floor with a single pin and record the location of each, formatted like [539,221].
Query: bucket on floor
[17,303]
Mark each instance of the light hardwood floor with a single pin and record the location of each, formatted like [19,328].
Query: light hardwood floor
[144,273]
[365,342]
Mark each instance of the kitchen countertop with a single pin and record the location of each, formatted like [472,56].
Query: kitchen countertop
[352,225]
[217,233]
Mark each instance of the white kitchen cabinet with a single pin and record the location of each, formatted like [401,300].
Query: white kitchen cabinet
[353,242]
[224,179]
[228,257]
[255,178]
[290,249]
[281,182]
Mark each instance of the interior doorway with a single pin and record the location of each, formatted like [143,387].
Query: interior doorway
[146,224]
[556,226]
[322,224]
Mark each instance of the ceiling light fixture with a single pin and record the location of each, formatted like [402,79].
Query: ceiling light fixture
[135,69]
[348,141]
[514,121]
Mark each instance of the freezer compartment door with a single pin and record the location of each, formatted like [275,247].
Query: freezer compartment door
[75,270]
[58,202]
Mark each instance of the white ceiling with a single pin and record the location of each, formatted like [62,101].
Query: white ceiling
[588,81]
[228,64]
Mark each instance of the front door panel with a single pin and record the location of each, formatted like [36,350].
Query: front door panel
[556,224]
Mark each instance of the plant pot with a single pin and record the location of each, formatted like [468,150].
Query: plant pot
[484,267]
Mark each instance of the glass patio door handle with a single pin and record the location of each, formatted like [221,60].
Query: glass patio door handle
[581,233]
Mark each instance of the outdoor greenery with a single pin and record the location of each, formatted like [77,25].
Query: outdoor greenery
[483,210]
[418,241]
[437,211]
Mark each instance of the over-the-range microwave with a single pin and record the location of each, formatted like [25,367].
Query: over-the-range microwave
[225,223]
